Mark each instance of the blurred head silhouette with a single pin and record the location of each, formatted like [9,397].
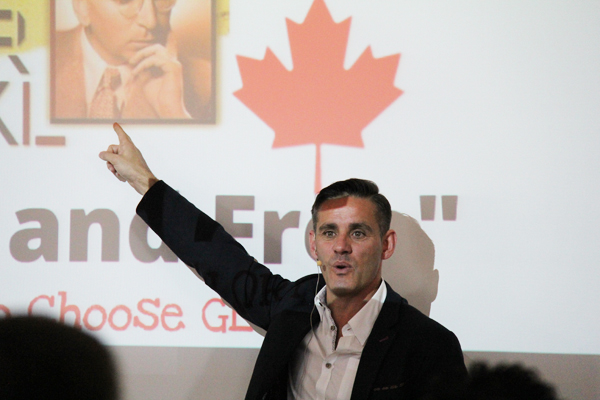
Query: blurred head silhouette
[43,359]
[500,382]
[410,271]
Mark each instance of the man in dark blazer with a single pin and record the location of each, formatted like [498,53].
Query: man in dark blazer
[349,337]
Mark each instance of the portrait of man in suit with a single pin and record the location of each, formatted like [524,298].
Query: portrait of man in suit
[124,60]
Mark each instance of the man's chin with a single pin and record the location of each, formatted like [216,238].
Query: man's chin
[342,290]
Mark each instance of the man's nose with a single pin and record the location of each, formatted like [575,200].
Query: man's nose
[147,15]
[342,244]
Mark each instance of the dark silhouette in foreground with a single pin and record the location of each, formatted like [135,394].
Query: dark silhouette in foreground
[43,359]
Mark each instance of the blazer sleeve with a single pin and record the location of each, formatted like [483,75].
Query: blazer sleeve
[202,243]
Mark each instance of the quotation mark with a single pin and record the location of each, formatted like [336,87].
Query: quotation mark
[449,205]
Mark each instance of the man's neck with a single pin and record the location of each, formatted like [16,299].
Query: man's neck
[104,54]
[343,308]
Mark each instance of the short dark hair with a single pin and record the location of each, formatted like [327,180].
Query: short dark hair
[360,188]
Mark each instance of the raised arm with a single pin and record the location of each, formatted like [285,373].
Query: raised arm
[198,240]
[126,162]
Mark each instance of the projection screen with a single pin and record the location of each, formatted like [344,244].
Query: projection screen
[477,119]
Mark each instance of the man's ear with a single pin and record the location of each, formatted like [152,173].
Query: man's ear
[389,244]
[81,8]
[313,244]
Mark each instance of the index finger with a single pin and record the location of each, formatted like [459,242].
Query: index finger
[145,52]
[123,137]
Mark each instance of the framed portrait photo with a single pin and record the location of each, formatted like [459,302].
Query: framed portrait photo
[135,61]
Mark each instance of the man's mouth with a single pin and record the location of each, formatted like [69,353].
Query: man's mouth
[341,267]
[142,43]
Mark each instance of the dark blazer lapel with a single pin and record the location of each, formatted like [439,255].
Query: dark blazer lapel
[381,338]
[283,337]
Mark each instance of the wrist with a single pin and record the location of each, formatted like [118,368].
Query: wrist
[143,185]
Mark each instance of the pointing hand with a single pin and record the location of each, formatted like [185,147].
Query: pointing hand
[126,162]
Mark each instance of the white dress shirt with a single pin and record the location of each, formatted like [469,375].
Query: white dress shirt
[93,69]
[320,371]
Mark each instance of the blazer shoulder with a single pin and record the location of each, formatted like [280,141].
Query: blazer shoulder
[410,322]
[68,85]
[67,45]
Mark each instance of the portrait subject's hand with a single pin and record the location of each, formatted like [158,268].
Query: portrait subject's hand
[162,76]
[126,162]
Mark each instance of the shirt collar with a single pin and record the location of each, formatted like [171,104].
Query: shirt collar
[362,322]
[94,67]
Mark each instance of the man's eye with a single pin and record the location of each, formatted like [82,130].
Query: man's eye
[358,234]
[328,234]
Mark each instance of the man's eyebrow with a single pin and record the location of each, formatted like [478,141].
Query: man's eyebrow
[362,226]
[326,227]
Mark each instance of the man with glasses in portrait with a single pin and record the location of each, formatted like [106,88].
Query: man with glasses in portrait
[119,62]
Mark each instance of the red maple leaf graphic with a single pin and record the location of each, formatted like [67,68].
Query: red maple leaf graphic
[318,101]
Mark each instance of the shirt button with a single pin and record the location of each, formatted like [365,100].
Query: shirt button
[333,327]
[328,365]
